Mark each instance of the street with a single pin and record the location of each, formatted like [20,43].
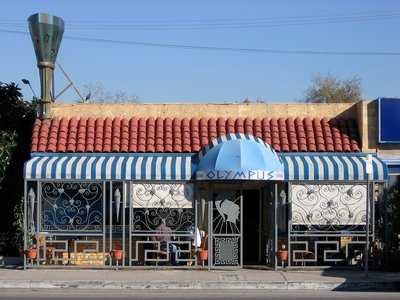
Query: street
[190,294]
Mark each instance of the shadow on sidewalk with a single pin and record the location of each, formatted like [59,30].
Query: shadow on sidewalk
[357,281]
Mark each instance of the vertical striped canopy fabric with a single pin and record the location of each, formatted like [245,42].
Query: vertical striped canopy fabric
[183,166]
[110,167]
[332,167]
[315,166]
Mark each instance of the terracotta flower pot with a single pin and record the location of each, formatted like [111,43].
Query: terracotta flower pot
[117,254]
[283,255]
[31,253]
[203,255]
[49,250]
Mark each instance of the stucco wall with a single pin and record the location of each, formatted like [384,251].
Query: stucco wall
[345,110]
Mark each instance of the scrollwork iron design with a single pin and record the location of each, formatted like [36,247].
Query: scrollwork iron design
[72,206]
[328,207]
[157,204]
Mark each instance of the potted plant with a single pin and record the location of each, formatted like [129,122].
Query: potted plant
[31,252]
[203,254]
[203,251]
[117,254]
[283,254]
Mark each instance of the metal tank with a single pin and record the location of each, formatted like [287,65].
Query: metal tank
[46,33]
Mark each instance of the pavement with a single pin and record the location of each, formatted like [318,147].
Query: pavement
[61,294]
[198,279]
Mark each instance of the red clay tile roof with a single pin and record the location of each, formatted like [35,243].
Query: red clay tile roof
[184,135]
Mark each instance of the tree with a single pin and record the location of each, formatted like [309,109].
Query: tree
[249,101]
[96,92]
[389,227]
[330,89]
[16,122]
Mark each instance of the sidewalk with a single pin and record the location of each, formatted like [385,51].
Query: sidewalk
[191,279]
[195,279]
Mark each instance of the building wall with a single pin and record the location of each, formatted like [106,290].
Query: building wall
[368,124]
[346,110]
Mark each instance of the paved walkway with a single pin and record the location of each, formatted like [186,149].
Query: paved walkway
[196,279]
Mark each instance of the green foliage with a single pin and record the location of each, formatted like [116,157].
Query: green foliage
[393,209]
[16,121]
[7,146]
[329,89]
[18,225]
[13,109]
[390,228]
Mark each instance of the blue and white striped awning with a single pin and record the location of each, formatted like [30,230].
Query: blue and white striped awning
[392,162]
[238,157]
[182,166]
[331,167]
[132,166]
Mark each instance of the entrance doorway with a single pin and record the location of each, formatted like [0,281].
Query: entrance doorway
[258,226]
[241,225]
[252,214]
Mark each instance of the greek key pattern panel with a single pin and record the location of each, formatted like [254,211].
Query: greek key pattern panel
[322,252]
[145,251]
[77,252]
[226,251]
[328,207]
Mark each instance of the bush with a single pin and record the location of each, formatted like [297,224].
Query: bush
[16,122]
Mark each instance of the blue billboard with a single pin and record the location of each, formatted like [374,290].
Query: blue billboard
[389,120]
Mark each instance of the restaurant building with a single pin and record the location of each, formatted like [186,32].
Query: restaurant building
[205,185]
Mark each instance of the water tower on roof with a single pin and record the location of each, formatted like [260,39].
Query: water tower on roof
[46,33]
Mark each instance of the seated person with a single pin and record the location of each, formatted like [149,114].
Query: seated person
[164,240]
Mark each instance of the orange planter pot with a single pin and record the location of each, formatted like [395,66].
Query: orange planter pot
[203,255]
[283,255]
[117,254]
[31,253]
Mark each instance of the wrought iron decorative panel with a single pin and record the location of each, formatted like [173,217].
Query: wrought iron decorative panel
[330,206]
[226,213]
[154,251]
[323,251]
[162,208]
[72,206]
[225,221]
[226,251]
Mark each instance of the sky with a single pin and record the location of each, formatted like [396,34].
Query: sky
[182,75]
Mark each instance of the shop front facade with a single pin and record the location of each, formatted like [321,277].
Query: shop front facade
[199,193]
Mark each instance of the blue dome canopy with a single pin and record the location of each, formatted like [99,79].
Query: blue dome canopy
[239,157]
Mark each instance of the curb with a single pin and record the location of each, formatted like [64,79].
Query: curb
[203,285]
